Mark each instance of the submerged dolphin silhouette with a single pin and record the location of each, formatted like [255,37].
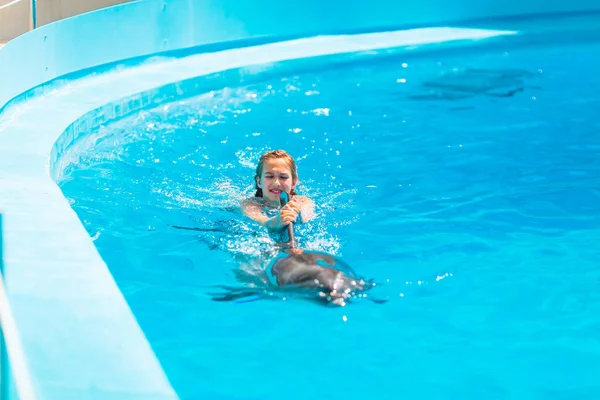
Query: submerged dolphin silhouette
[334,279]
[318,276]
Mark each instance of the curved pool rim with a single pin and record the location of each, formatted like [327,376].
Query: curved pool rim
[63,287]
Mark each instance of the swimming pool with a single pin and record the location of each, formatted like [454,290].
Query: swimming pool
[464,182]
[74,331]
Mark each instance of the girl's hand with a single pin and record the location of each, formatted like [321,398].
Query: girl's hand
[288,214]
[294,204]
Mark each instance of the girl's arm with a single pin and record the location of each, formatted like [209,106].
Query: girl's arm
[254,211]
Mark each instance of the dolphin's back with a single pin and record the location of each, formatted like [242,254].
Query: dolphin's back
[312,269]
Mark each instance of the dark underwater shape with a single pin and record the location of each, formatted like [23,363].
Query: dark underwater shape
[310,274]
[464,83]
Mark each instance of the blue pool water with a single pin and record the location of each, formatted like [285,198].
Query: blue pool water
[467,185]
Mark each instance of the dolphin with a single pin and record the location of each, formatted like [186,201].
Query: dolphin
[329,276]
[316,275]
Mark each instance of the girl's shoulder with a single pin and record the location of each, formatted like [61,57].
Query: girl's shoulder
[252,203]
[303,199]
[307,208]
[252,200]
[255,204]
[252,207]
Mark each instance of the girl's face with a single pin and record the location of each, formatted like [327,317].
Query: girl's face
[276,177]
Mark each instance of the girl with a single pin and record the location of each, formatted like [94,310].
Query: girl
[276,172]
